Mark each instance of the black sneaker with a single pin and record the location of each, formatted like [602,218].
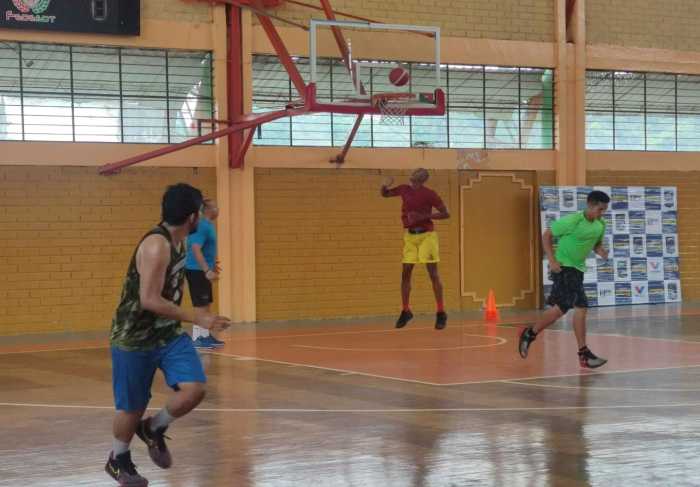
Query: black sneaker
[123,470]
[589,360]
[526,338]
[440,320]
[155,441]
[404,318]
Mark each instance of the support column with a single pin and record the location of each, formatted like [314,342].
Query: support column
[570,93]
[577,27]
[223,223]
[561,95]
[243,243]
[242,200]
[234,187]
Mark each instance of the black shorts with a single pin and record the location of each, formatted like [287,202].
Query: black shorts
[200,288]
[567,291]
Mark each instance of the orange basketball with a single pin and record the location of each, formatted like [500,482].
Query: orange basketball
[399,76]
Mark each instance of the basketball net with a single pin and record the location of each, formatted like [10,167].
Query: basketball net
[393,107]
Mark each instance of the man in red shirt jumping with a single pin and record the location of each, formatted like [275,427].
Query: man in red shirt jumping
[420,240]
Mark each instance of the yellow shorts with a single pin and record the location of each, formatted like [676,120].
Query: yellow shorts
[421,248]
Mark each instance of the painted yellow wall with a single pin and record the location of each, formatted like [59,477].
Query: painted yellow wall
[67,235]
[327,244]
[180,11]
[494,19]
[668,24]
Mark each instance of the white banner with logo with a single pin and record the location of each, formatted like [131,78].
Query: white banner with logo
[642,238]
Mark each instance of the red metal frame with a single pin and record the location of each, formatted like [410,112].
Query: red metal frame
[238,145]
[245,122]
[234,86]
[340,158]
[570,4]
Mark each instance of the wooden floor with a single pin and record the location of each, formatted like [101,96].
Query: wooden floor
[361,404]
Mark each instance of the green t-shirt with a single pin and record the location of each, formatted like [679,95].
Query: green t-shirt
[577,237]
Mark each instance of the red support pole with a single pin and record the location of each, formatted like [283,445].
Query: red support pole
[337,33]
[570,4]
[283,54]
[240,160]
[340,158]
[343,47]
[246,122]
[234,79]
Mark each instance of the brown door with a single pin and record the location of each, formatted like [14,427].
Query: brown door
[499,241]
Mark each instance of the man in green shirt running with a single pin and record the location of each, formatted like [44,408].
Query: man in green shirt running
[578,234]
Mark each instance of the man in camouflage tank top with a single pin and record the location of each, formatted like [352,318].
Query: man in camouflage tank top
[147,335]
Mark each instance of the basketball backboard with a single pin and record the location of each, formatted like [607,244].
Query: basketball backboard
[371,58]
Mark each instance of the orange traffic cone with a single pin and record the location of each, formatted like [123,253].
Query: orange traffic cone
[491,313]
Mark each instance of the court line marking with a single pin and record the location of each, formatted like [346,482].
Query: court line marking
[238,338]
[366,374]
[485,323]
[617,335]
[415,381]
[373,411]
[318,367]
[595,388]
[357,332]
[499,341]
[352,372]
[75,349]
[582,373]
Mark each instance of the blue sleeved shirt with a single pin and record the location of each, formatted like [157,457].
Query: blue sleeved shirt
[205,236]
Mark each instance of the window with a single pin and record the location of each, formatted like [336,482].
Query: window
[487,107]
[103,94]
[642,111]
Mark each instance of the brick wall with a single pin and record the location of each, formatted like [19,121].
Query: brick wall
[530,20]
[67,235]
[327,244]
[178,10]
[688,184]
[670,24]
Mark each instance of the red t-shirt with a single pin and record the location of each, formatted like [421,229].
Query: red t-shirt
[421,200]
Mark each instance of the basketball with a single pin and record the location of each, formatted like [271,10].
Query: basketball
[399,76]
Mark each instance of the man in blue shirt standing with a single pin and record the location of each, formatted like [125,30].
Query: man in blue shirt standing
[201,270]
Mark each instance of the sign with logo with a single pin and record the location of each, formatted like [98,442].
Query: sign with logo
[92,16]
[30,11]
[641,236]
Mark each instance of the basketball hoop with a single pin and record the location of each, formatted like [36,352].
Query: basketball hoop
[393,107]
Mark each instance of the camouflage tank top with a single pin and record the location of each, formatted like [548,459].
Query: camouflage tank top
[134,328]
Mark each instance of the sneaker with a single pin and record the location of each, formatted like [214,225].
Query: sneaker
[202,342]
[211,340]
[589,360]
[526,338]
[155,440]
[440,320]
[404,318]
[123,470]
